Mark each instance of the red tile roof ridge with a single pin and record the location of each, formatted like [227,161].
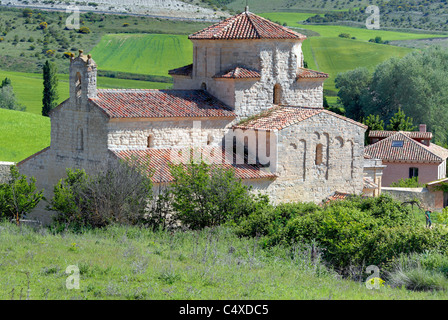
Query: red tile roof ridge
[411,134]
[238,73]
[310,74]
[282,116]
[245,25]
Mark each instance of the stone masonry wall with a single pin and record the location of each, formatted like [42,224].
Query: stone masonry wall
[300,178]
[277,61]
[4,171]
[175,133]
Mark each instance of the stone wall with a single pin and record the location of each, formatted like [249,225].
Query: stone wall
[164,134]
[4,171]
[300,176]
[427,199]
[277,62]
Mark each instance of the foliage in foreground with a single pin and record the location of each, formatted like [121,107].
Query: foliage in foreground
[128,262]
[116,194]
[352,232]
[207,196]
[18,196]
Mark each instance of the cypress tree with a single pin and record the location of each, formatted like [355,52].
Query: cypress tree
[50,94]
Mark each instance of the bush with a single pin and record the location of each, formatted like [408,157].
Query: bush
[205,196]
[84,30]
[356,231]
[344,35]
[118,194]
[18,197]
[407,183]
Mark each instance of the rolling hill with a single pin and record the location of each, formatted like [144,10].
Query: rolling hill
[152,54]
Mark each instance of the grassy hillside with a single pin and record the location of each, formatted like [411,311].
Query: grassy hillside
[133,263]
[334,55]
[294,5]
[28,87]
[296,20]
[152,54]
[22,134]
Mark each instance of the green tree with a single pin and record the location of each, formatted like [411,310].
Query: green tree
[206,196]
[353,86]
[399,122]
[6,82]
[8,99]
[18,197]
[50,94]
[374,123]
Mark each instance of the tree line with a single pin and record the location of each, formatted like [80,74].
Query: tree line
[414,85]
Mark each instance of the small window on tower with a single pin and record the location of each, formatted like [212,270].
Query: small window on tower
[150,141]
[80,144]
[319,154]
[78,86]
[277,94]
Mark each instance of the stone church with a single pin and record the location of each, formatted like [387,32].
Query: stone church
[245,102]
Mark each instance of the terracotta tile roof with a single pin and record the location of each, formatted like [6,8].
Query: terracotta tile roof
[280,117]
[161,159]
[410,134]
[246,25]
[410,151]
[303,73]
[149,103]
[239,73]
[182,71]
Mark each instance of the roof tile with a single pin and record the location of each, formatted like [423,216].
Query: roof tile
[161,159]
[151,103]
[280,117]
[246,25]
[238,73]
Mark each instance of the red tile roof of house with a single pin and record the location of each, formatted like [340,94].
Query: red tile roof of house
[246,25]
[239,73]
[149,103]
[280,117]
[304,73]
[161,159]
[410,134]
[411,151]
[182,71]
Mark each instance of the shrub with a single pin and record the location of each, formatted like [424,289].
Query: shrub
[43,25]
[205,196]
[356,231]
[117,194]
[84,30]
[18,197]
[407,183]
[344,35]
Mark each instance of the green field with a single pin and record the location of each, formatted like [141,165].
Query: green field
[334,55]
[28,87]
[152,54]
[22,134]
[293,19]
